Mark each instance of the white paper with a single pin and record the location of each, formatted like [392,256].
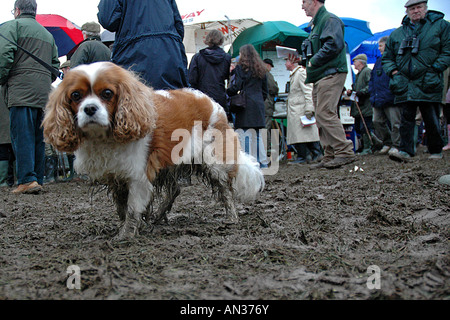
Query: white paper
[284,52]
[307,122]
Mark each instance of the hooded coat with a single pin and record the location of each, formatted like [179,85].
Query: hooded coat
[420,75]
[148,40]
[208,71]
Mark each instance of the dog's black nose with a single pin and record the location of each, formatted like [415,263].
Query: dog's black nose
[90,109]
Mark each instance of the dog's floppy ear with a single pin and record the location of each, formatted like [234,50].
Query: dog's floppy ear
[135,115]
[59,125]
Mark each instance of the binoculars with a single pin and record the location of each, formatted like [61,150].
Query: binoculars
[306,49]
[409,43]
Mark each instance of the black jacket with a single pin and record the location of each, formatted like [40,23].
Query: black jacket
[253,116]
[208,71]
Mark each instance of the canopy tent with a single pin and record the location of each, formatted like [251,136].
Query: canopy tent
[67,35]
[355,32]
[269,34]
[370,46]
[198,23]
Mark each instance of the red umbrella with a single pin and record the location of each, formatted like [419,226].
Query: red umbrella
[67,35]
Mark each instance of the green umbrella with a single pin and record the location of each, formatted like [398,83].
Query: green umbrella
[269,34]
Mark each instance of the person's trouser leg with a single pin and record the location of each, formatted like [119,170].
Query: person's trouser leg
[407,128]
[394,115]
[28,143]
[381,126]
[430,115]
[326,95]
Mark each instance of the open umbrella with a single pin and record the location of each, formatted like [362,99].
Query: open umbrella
[198,23]
[269,34]
[370,46]
[67,35]
[356,31]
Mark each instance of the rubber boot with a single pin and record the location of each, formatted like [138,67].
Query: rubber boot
[367,145]
[447,147]
[416,137]
[50,164]
[3,173]
[72,173]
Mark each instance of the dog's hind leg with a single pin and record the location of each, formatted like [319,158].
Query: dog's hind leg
[166,205]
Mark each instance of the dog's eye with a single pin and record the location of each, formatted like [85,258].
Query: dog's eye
[76,96]
[107,94]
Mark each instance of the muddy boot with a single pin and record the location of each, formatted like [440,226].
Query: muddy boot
[367,145]
[72,174]
[3,173]
[50,169]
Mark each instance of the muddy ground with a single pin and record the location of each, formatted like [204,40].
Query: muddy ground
[313,234]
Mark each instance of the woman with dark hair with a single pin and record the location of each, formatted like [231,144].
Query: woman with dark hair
[210,67]
[250,76]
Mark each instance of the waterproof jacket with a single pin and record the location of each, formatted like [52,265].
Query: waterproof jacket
[380,94]
[328,47]
[419,76]
[89,51]
[361,87]
[255,93]
[149,39]
[27,82]
[208,71]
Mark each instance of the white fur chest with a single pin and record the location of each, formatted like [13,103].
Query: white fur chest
[102,159]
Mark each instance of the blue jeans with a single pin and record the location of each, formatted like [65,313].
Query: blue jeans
[430,115]
[27,138]
[253,144]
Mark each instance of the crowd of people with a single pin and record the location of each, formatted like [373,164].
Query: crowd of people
[407,86]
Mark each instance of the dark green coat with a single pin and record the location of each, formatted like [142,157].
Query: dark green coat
[328,47]
[420,76]
[89,51]
[28,82]
[361,86]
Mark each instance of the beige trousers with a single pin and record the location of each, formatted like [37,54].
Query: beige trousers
[326,94]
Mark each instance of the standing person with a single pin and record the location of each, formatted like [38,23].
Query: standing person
[91,49]
[250,76]
[386,115]
[361,88]
[326,69]
[299,104]
[28,85]
[417,53]
[6,151]
[149,40]
[210,67]
[269,103]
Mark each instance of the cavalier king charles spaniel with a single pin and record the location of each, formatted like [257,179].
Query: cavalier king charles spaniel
[140,142]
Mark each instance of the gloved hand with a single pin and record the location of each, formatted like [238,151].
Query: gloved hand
[309,114]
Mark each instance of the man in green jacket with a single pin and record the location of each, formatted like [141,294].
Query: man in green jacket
[91,49]
[361,89]
[416,55]
[28,85]
[326,68]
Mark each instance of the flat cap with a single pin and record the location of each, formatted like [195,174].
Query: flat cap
[414,2]
[65,64]
[92,27]
[361,56]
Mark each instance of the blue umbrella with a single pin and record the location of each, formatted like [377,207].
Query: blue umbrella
[356,31]
[370,46]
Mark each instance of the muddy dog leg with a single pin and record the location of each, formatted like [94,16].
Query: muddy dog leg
[139,196]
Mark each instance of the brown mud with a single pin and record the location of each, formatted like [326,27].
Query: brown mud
[313,234]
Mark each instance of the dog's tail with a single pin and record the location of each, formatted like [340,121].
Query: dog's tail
[249,181]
